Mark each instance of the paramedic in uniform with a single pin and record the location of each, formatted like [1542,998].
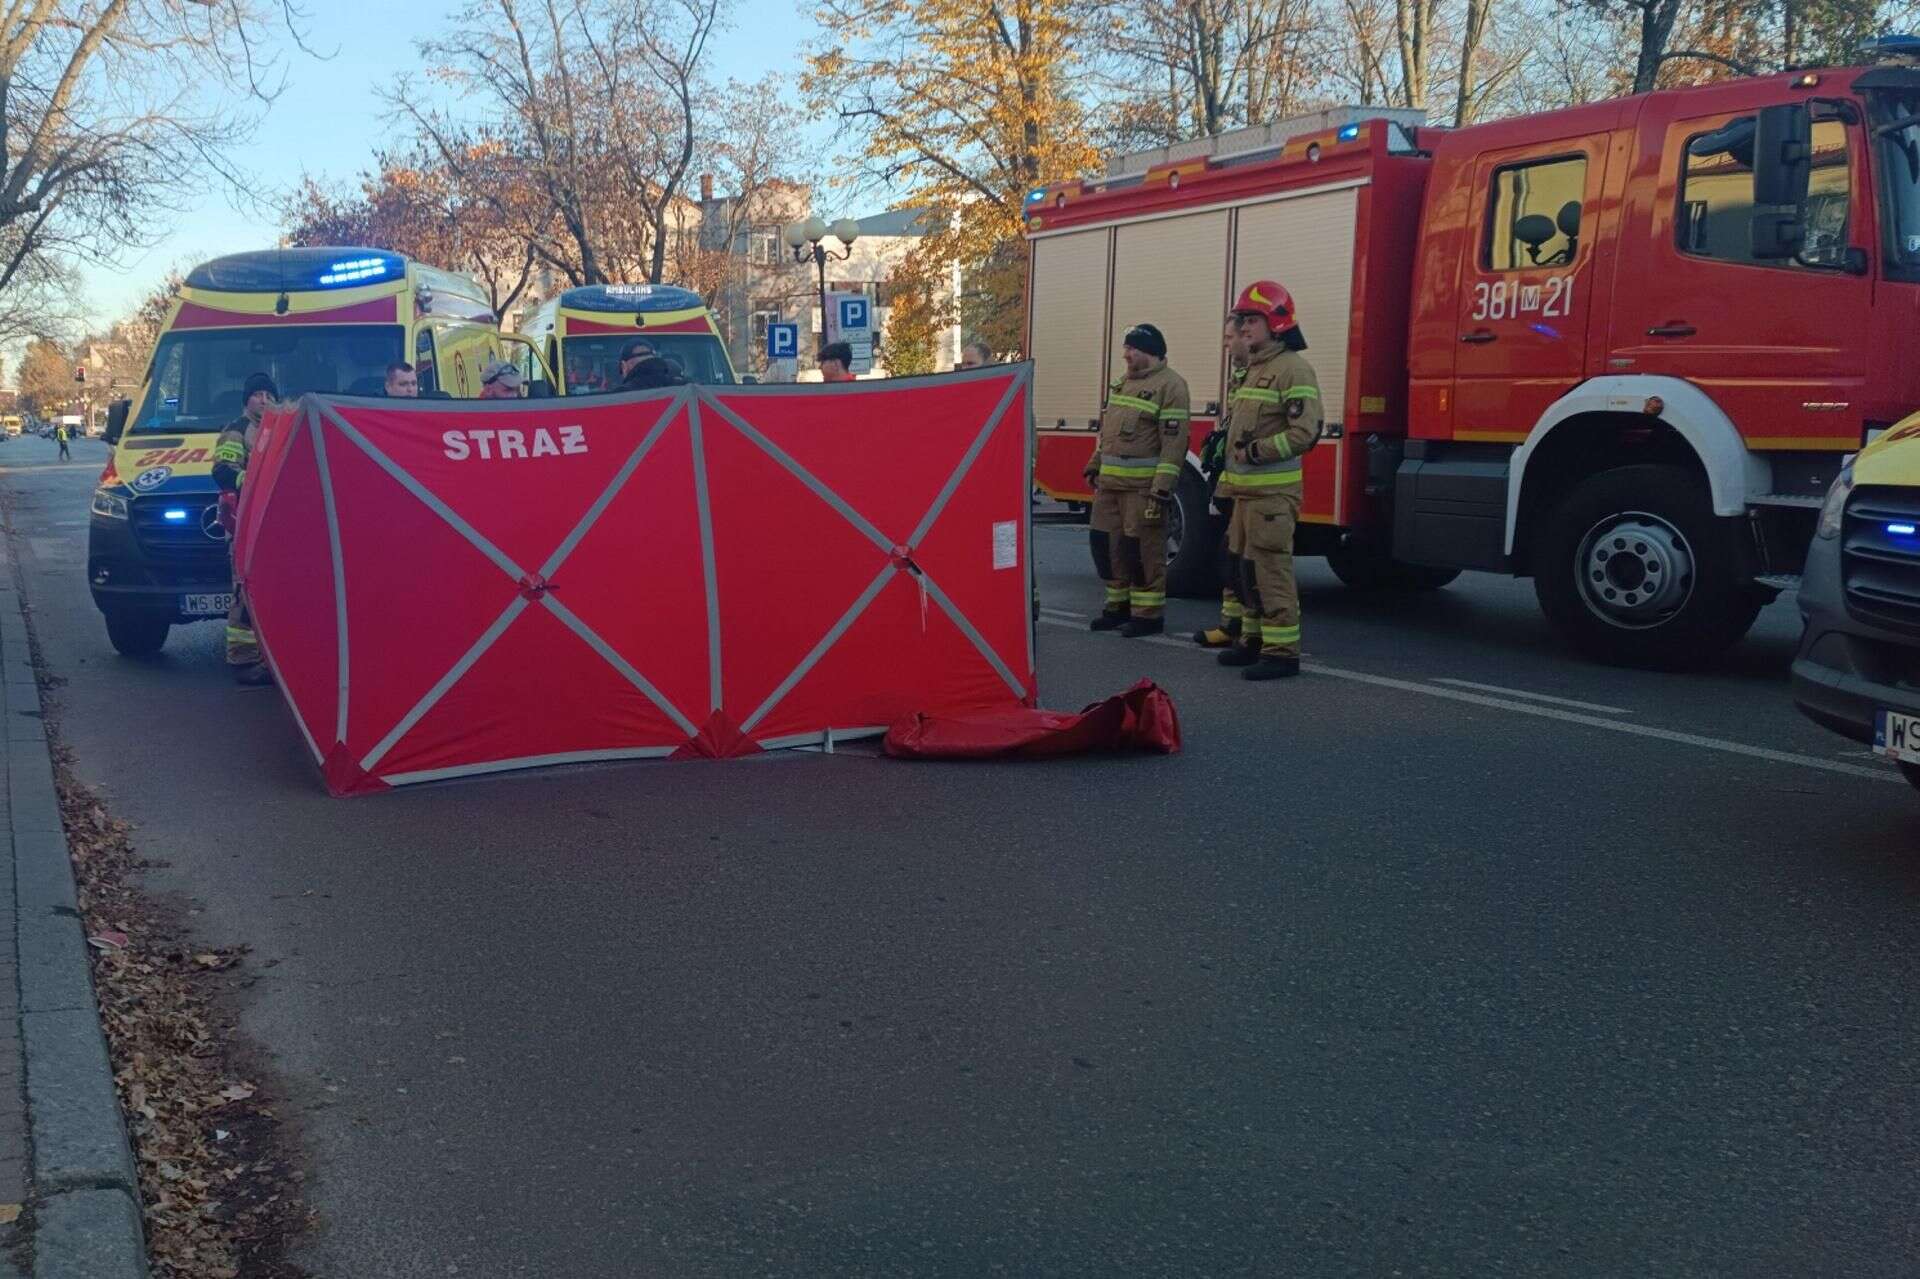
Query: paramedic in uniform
[1274,420]
[230,455]
[1143,445]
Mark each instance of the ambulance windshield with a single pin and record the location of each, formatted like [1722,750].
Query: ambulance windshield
[593,363]
[198,373]
[1895,115]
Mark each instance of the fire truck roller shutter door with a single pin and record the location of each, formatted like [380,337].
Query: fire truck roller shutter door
[1307,241]
[1733,472]
[1067,331]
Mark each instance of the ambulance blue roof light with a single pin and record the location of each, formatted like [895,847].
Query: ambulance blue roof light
[630,298]
[297,270]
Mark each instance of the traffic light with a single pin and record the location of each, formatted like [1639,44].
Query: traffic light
[80,373]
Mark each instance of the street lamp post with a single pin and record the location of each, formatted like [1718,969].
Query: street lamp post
[804,240]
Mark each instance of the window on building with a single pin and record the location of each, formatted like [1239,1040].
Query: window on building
[763,246]
[1716,197]
[1533,219]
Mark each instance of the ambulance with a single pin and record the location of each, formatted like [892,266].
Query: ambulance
[325,319]
[576,337]
[1858,669]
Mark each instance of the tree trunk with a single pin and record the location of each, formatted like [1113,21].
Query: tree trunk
[1474,29]
[1656,27]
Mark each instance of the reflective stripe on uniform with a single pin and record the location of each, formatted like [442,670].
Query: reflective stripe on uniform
[1263,479]
[239,635]
[1128,468]
[1174,415]
[1258,394]
[1231,608]
[230,452]
[1280,634]
[1132,402]
[1149,599]
[1116,595]
[1280,446]
[1302,393]
[1167,468]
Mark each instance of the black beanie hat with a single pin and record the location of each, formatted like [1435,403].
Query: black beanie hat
[1144,337]
[257,382]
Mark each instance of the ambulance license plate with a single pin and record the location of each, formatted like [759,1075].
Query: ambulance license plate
[1897,736]
[212,606]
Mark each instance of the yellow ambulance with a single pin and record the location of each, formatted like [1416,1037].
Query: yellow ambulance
[578,336]
[1858,669]
[313,319]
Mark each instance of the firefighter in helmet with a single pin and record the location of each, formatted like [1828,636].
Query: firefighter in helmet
[1274,419]
[1213,462]
[1143,445]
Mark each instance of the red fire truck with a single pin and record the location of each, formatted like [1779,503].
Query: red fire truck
[1622,348]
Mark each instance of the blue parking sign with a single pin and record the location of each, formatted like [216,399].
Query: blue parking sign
[783,341]
[853,314]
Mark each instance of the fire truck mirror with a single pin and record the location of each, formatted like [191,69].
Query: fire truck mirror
[1782,155]
[1777,235]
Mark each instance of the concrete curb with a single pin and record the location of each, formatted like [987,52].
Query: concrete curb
[86,1194]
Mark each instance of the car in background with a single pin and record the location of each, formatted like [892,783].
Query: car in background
[1858,669]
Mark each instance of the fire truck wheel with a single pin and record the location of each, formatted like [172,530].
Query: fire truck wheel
[1193,540]
[136,633]
[1633,567]
[1364,568]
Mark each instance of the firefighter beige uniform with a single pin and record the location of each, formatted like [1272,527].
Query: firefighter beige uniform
[230,454]
[1143,445]
[1276,414]
[1227,633]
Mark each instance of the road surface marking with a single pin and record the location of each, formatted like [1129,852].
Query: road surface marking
[1543,712]
[1535,697]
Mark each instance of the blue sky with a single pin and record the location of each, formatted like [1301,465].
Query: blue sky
[329,121]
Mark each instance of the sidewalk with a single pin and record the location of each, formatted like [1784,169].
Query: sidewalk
[63,1147]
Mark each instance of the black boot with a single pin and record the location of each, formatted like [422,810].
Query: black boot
[1272,668]
[1108,621]
[1240,655]
[1143,626]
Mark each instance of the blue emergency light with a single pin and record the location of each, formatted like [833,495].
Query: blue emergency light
[1902,530]
[1349,132]
[353,271]
[175,515]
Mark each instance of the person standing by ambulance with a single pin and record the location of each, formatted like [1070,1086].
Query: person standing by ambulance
[1142,446]
[1213,463]
[230,455]
[1275,419]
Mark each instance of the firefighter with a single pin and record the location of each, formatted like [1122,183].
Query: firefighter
[1275,418]
[1143,444]
[1213,461]
[230,454]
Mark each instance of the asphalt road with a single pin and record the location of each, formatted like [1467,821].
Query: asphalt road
[1383,975]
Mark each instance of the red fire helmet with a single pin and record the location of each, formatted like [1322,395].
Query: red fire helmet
[1266,298]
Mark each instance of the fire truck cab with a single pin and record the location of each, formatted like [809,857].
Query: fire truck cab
[1622,348]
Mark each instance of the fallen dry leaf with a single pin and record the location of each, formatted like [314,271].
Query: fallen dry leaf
[236,1092]
[9,1213]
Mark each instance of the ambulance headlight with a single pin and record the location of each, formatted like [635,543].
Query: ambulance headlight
[1835,508]
[110,504]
